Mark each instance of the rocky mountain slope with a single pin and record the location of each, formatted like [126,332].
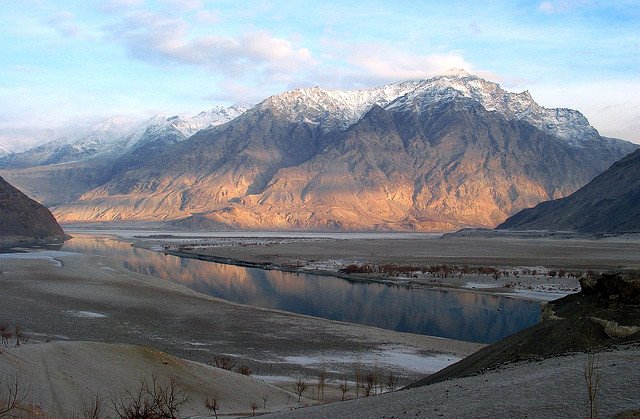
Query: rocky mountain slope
[610,203]
[62,170]
[23,219]
[442,153]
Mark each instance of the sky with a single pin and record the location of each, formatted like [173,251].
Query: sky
[68,63]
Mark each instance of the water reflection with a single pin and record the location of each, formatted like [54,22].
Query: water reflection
[457,315]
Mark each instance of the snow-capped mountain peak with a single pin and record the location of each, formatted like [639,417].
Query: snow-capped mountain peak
[338,109]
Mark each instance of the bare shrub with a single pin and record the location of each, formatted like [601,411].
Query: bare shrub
[300,387]
[224,362]
[322,377]
[344,387]
[93,408]
[212,404]
[357,366]
[392,381]
[244,370]
[151,400]
[370,385]
[11,395]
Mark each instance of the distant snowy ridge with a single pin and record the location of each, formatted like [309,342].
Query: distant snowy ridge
[117,135]
[338,109]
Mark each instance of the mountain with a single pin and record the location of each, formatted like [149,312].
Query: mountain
[62,170]
[23,219]
[610,203]
[435,154]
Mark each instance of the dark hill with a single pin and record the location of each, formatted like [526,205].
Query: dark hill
[22,219]
[610,203]
[604,313]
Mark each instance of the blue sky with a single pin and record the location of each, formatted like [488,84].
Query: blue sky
[76,62]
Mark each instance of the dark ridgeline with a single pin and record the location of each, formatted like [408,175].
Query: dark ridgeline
[610,203]
[22,219]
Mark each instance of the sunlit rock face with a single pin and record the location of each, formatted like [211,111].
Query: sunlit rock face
[438,154]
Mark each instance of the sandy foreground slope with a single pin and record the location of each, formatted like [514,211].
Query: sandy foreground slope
[554,387]
[58,296]
[60,376]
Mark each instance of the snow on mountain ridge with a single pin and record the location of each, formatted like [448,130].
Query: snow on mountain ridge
[119,134]
[339,109]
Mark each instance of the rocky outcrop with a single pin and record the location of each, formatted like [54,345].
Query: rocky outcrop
[605,312]
[24,220]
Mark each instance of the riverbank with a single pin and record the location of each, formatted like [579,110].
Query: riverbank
[529,268]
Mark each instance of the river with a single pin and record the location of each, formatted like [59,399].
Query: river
[451,314]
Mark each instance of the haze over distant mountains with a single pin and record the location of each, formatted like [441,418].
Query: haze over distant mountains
[610,203]
[444,153]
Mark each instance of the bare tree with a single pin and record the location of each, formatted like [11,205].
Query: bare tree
[6,335]
[244,370]
[344,387]
[358,372]
[151,400]
[264,401]
[370,385]
[11,395]
[254,406]
[212,404]
[322,377]
[224,362]
[592,379]
[301,386]
[93,408]
[19,335]
[392,381]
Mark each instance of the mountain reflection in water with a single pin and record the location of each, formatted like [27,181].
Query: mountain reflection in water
[451,314]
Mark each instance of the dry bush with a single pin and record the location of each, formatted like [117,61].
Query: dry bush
[11,395]
[224,362]
[151,400]
[300,387]
[212,404]
[244,370]
[93,408]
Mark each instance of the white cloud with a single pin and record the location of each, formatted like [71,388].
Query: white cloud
[376,64]
[161,40]
[561,6]
[64,23]
[208,17]
[184,4]
[119,5]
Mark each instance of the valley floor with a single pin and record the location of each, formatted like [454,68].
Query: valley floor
[64,296]
[518,267]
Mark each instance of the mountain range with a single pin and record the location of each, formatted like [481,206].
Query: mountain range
[444,153]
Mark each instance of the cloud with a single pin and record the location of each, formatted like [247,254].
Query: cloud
[119,5]
[163,40]
[391,64]
[561,6]
[184,4]
[64,23]
[208,17]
